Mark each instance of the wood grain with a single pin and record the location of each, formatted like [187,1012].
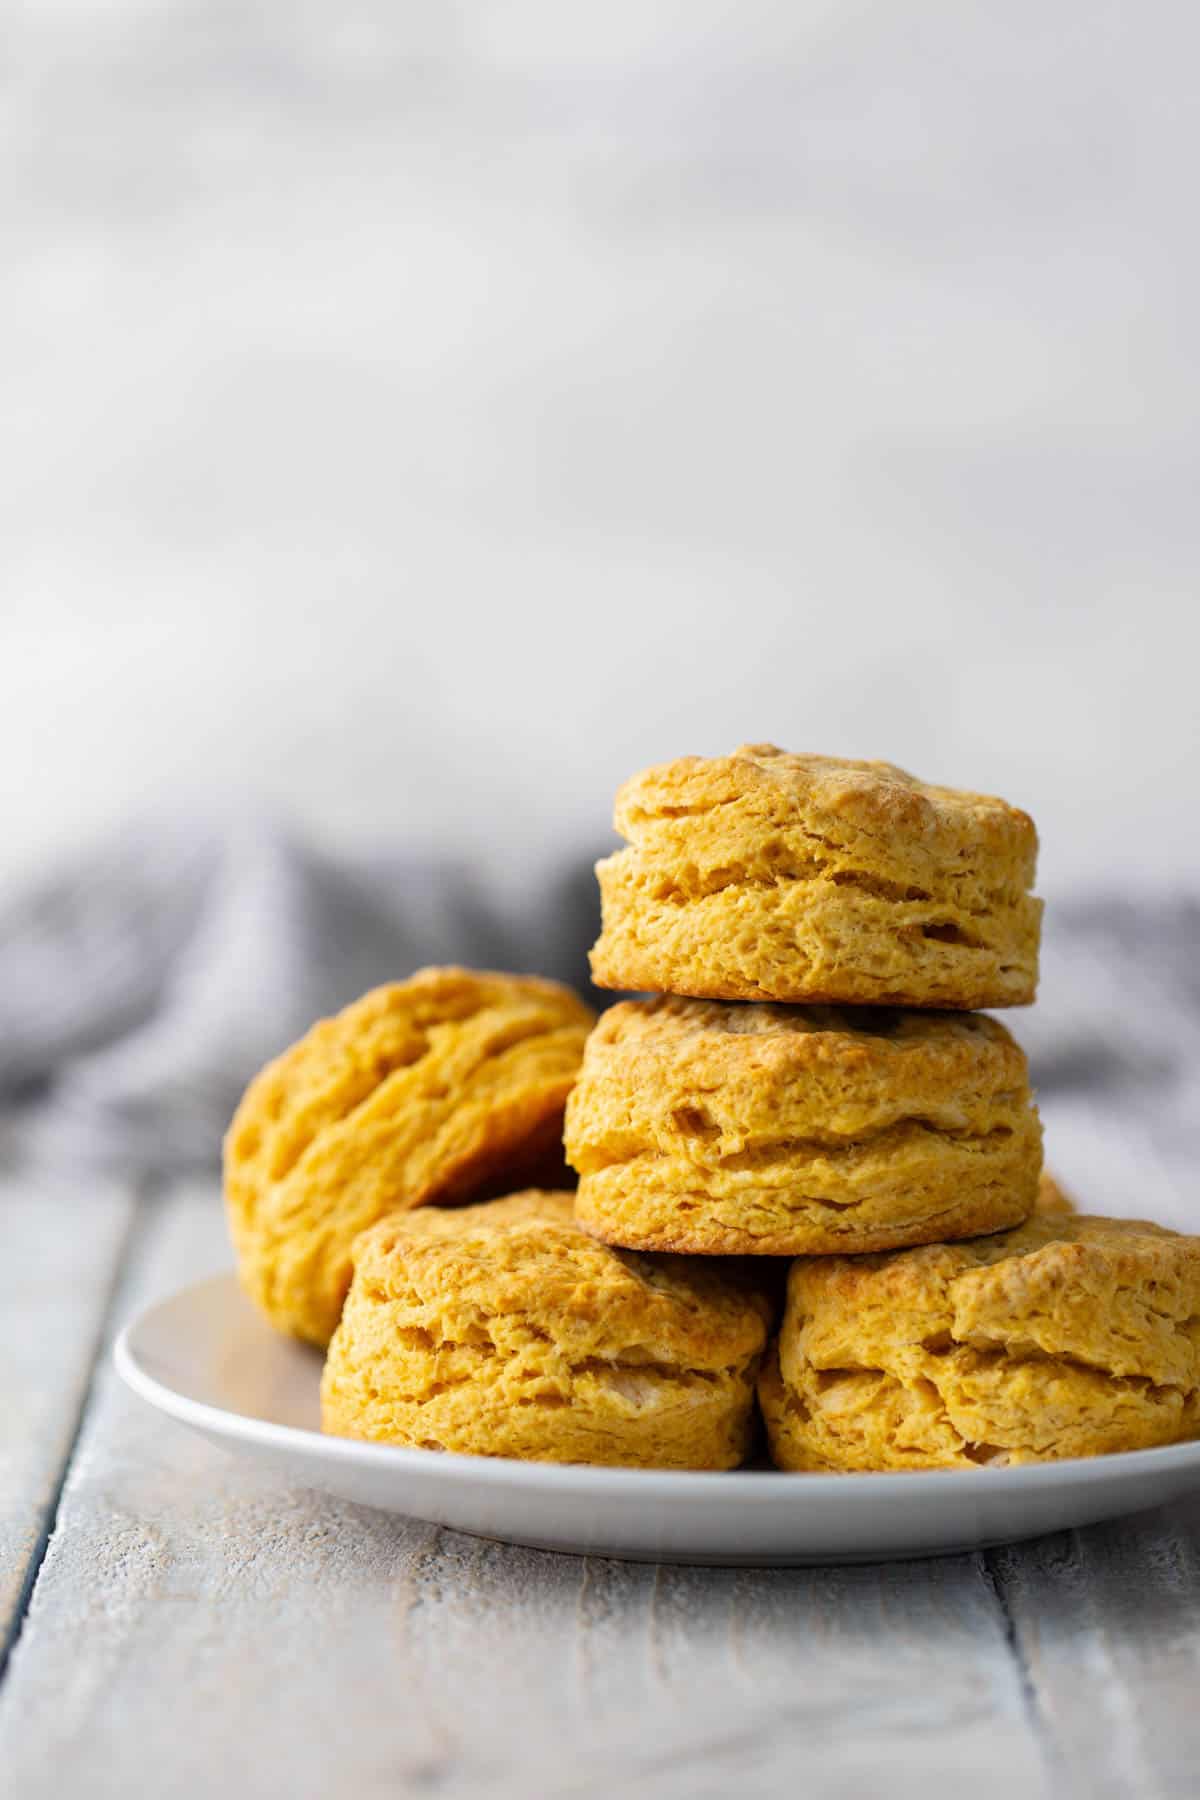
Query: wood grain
[1107,1622]
[60,1254]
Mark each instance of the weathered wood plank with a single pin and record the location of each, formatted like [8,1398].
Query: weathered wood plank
[59,1257]
[1108,1622]
[199,1627]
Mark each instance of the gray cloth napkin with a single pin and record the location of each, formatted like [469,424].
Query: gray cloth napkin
[141,989]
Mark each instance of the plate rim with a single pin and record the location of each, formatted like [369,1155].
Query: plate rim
[590,1480]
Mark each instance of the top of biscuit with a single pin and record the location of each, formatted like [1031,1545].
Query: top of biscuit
[446,991]
[340,1062]
[779,785]
[1122,1295]
[1057,1238]
[525,1254]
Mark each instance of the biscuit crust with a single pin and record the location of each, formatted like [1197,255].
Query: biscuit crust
[504,1330]
[1070,1336]
[720,1129]
[442,1087]
[771,876]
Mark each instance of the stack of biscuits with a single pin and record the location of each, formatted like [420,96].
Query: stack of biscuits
[810,1087]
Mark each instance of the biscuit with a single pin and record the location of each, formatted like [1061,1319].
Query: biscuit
[701,1126]
[768,876]
[504,1330]
[438,1088]
[1070,1336]
[1051,1197]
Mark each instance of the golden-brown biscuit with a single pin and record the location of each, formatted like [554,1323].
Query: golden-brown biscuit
[1070,1336]
[1051,1197]
[439,1088]
[768,876]
[701,1126]
[504,1330]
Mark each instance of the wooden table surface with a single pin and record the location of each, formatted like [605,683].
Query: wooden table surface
[176,1622]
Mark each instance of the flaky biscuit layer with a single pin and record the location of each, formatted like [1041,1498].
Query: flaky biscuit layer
[767,1130]
[504,1330]
[1070,1336]
[436,1088]
[770,876]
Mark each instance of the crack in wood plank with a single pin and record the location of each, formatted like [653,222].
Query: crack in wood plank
[991,1574]
[1107,1621]
[69,1255]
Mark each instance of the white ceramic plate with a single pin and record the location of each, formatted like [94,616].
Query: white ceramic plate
[207,1359]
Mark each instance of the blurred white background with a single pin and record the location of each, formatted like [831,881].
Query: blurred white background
[419,416]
